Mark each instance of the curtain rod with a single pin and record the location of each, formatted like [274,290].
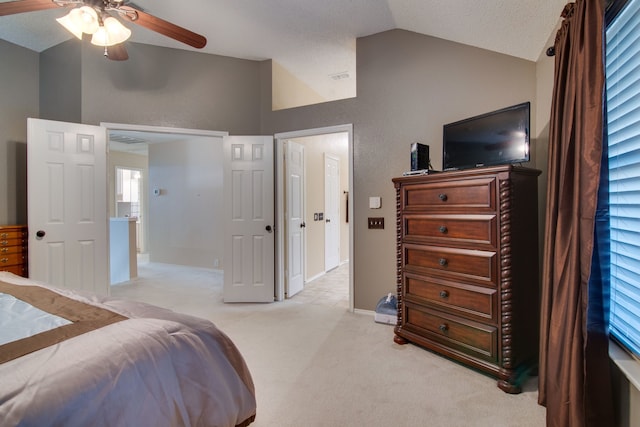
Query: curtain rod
[566,12]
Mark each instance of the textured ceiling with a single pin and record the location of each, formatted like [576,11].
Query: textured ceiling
[315,39]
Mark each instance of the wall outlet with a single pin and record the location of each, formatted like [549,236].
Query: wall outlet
[375,223]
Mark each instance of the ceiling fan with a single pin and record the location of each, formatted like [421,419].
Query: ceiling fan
[97,17]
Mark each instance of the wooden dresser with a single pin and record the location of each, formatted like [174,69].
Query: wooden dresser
[13,249]
[467,268]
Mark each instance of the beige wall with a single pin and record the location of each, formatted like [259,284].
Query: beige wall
[289,91]
[544,93]
[185,220]
[155,86]
[19,92]
[409,86]
[61,82]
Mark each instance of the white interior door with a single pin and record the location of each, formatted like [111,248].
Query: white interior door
[67,205]
[295,224]
[249,219]
[332,212]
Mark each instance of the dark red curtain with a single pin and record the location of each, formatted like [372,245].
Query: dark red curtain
[574,382]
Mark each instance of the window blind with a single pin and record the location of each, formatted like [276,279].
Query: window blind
[623,109]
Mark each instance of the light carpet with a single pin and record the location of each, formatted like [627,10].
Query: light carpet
[316,364]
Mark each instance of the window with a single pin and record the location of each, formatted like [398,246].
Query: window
[623,122]
[128,192]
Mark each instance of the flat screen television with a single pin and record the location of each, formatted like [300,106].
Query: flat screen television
[495,138]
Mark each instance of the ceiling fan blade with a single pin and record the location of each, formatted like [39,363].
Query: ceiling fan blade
[22,6]
[163,27]
[116,52]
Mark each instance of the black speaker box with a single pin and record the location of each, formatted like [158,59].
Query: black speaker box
[419,156]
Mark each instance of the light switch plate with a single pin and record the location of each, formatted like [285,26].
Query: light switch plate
[374,202]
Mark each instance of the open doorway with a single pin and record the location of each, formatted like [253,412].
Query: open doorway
[164,177]
[334,143]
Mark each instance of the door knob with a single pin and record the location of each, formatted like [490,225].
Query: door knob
[327,220]
[303,225]
[40,234]
[268,228]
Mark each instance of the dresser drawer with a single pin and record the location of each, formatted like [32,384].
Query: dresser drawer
[451,229]
[6,234]
[451,263]
[455,297]
[12,259]
[477,194]
[4,250]
[13,242]
[470,337]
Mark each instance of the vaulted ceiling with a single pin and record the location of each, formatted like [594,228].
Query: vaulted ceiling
[315,40]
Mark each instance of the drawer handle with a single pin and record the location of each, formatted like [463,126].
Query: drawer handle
[4,235]
[4,260]
[4,250]
[444,294]
[4,242]
[443,262]
[443,328]
[442,197]
[442,229]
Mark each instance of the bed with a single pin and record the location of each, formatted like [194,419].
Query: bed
[111,362]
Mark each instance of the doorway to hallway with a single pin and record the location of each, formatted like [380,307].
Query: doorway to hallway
[322,208]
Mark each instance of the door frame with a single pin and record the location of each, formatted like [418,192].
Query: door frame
[162,129]
[280,200]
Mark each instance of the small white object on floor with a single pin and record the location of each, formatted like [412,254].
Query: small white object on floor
[387,310]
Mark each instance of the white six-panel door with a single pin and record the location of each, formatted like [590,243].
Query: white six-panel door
[332,212]
[67,205]
[249,219]
[295,218]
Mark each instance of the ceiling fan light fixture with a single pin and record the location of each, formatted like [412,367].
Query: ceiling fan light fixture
[87,19]
[117,32]
[67,22]
[80,20]
[112,32]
